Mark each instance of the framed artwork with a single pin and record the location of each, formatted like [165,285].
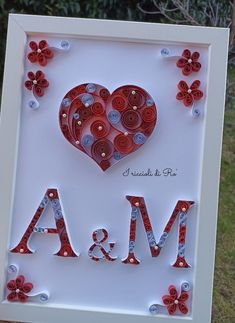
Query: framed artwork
[110,144]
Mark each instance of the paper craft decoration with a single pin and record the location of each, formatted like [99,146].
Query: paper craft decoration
[189,94]
[139,209]
[99,236]
[41,52]
[174,301]
[36,83]
[51,197]
[125,241]
[189,62]
[19,290]
[107,127]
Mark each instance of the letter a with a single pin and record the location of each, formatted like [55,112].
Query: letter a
[51,197]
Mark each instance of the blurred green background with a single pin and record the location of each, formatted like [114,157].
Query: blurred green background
[219,13]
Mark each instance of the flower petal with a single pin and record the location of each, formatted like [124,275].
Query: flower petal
[43,83]
[195,85]
[195,56]
[197,94]
[11,285]
[167,299]
[20,281]
[181,95]
[42,59]
[39,75]
[22,297]
[27,288]
[187,70]
[173,291]
[183,308]
[181,62]
[37,90]
[186,54]
[29,85]
[196,66]
[188,101]
[171,309]
[32,57]
[12,297]
[43,44]
[183,297]
[33,45]
[31,76]
[183,86]
[48,53]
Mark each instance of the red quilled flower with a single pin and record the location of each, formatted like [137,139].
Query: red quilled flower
[18,289]
[189,94]
[36,83]
[189,62]
[174,301]
[40,52]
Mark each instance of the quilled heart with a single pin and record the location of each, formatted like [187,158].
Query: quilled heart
[107,127]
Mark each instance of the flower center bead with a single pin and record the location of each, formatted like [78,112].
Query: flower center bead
[17,290]
[189,91]
[176,301]
[39,51]
[35,82]
[190,61]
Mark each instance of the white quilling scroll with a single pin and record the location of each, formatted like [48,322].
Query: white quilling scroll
[19,290]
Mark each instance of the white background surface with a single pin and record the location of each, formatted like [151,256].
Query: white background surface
[94,199]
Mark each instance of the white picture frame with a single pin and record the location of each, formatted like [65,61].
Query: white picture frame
[216,40]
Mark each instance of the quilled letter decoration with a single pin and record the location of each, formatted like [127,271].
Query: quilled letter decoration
[51,197]
[99,237]
[174,302]
[139,210]
[19,290]
[107,127]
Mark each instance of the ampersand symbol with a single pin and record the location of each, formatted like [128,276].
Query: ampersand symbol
[99,236]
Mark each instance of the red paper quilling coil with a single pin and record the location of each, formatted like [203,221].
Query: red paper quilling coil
[64,237]
[123,144]
[85,113]
[135,99]
[172,290]
[189,62]
[131,119]
[104,93]
[97,108]
[148,115]
[60,224]
[119,103]
[102,149]
[99,129]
